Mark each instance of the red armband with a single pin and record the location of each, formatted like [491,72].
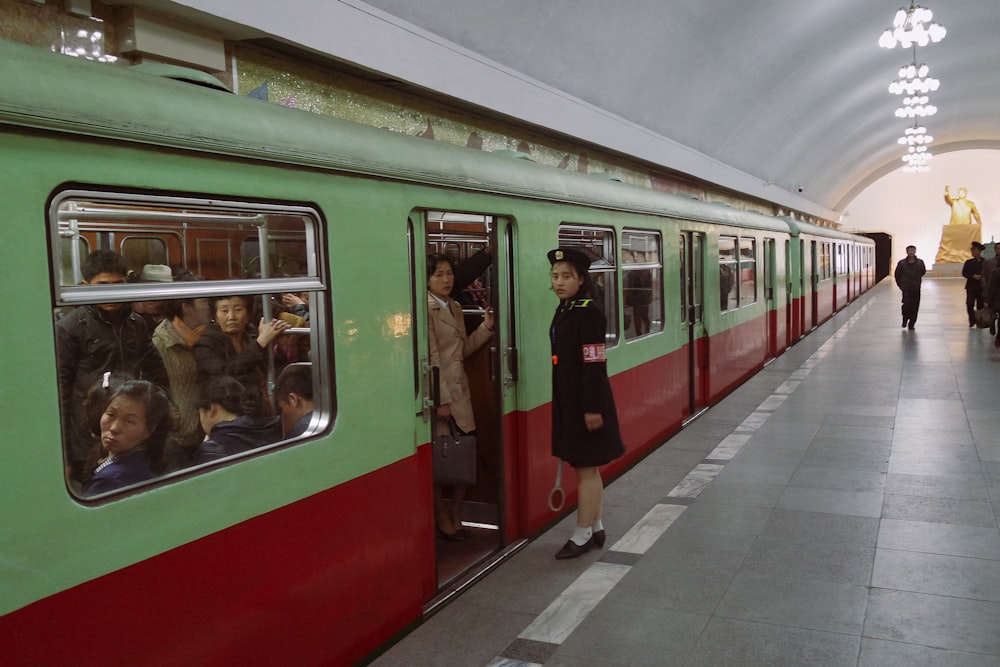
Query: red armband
[594,353]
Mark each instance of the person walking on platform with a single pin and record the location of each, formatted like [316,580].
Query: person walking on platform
[909,271]
[585,430]
[972,271]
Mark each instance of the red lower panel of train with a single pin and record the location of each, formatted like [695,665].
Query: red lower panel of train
[321,581]
[328,579]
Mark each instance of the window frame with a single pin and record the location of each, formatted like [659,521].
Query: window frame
[604,267]
[131,215]
[656,314]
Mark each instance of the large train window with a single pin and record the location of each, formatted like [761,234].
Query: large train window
[599,244]
[188,332]
[642,269]
[737,272]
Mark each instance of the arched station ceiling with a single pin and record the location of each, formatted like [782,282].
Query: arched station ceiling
[785,100]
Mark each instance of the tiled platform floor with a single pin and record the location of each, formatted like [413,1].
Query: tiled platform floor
[841,508]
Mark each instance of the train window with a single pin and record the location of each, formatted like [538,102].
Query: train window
[737,272]
[598,243]
[728,271]
[170,323]
[825,271]
[748,271]
[642,271]
[142,250]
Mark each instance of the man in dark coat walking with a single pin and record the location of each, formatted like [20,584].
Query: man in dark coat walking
[908,273]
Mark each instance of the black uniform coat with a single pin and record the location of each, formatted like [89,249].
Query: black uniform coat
[580,386]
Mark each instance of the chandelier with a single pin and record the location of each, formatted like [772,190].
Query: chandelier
[914,27]
[913,79]
[909,28]
[915,136]
[916,106]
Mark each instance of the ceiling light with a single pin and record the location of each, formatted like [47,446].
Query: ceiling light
[912,26]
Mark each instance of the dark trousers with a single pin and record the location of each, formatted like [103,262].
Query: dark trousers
[973,302]
[911,304]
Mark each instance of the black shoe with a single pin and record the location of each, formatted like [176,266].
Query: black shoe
[910,327]
[450,537]
[904,322]
[972,324]
[598,539]
[571,550]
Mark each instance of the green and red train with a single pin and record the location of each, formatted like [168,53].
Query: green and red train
[321,548]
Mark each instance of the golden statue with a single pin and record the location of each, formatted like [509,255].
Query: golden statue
[959,233]
[962,209]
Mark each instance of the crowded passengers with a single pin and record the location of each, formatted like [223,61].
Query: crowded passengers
[180,383]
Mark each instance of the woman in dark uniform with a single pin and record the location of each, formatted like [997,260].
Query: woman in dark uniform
[584,420]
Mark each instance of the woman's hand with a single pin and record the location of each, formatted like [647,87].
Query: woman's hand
[268,331]
[444,411]
[488,318]
[593,420]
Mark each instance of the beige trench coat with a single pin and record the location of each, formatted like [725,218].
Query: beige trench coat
[449,346]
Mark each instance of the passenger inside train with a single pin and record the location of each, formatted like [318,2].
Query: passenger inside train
[133,426]
[94,339]
[234,419]
[293,393]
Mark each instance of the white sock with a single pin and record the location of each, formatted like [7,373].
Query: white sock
[581,536]
[598,525]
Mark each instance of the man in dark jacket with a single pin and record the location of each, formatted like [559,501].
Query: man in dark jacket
[95,339]
[908,273]
[972,271]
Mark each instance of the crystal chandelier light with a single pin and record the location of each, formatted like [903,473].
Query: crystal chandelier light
[913,79]
[916,106]
[910,27]
[915,136]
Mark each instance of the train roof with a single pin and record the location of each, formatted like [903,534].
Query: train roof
[49,91]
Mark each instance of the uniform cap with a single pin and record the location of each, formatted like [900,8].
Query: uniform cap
[569,255]
[977,244]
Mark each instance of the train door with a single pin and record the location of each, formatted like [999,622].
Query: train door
[692,311]
[468,520]
[769,298]
[789,298]
[814,283]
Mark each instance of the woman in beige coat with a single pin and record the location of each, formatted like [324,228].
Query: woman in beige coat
[449,346]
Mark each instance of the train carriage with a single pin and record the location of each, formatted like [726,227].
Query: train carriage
[318,548]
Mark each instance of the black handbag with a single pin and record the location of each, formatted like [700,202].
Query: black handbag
[985,317]
[454,457]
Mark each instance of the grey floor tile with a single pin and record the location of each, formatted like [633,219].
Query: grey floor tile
[939,510]
[848,454]
[757,473]
[831,562]
[863,433]
[635,635]
[832,501]
[939,538]
[881,653]
[794,525]
[734,643]
[934,621]
[811,605]
[839,479]
[678,588]
[738,493]
[922,437]
[955,576]
[959,487]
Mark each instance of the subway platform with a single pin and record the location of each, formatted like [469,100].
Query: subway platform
[840,508]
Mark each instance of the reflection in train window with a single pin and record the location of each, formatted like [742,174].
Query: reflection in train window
[171,324]
[598,244]
[642,273]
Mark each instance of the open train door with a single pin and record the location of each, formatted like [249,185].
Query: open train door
[770,252]
[692,300]
[481,248]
